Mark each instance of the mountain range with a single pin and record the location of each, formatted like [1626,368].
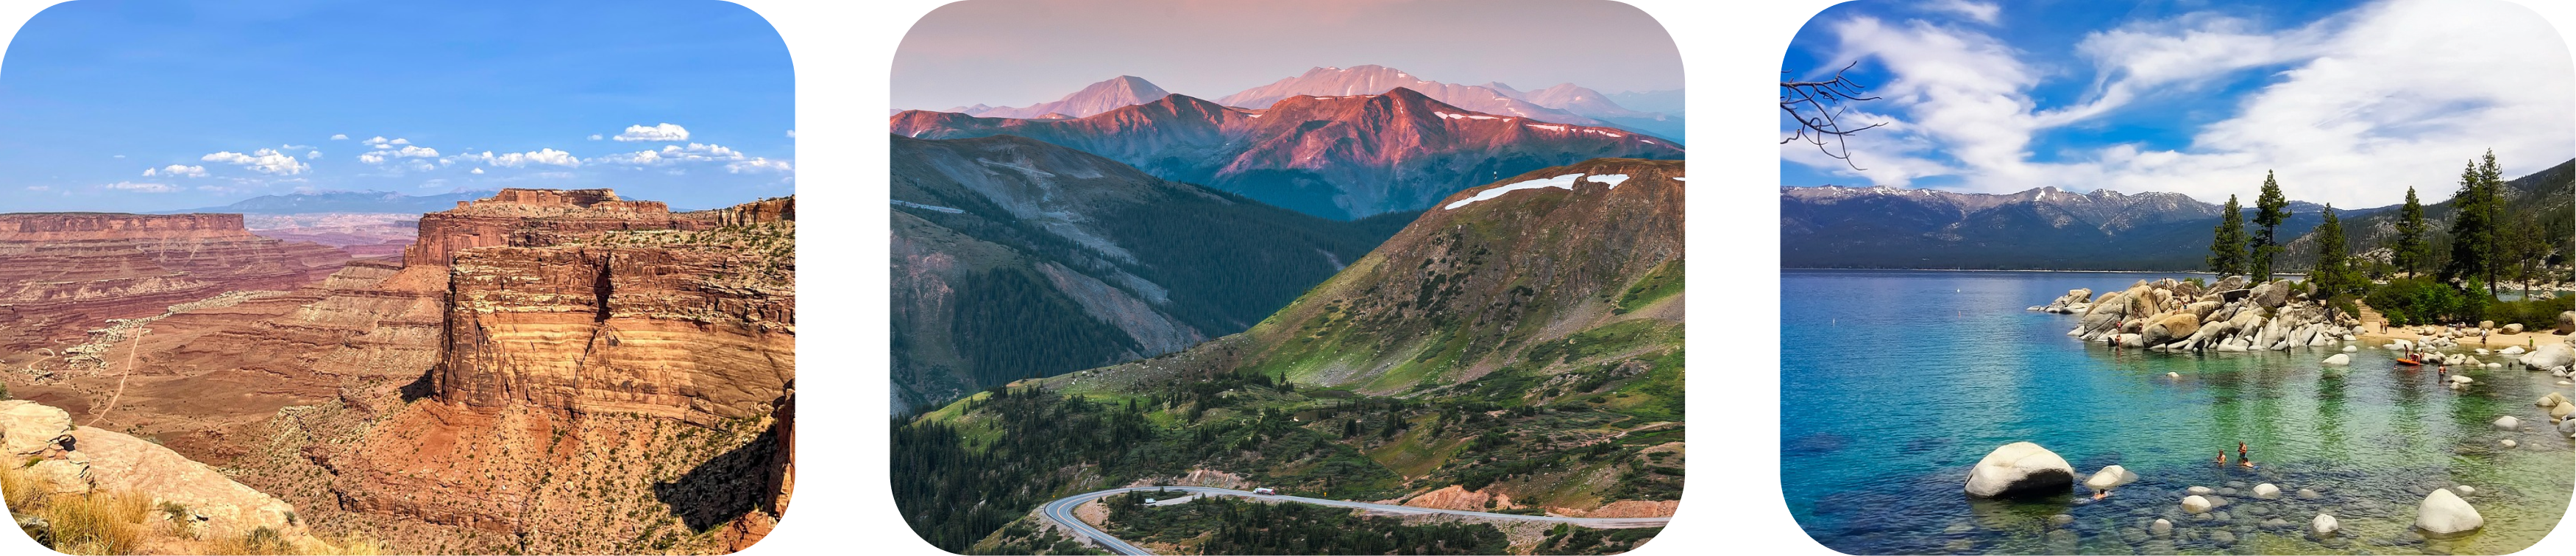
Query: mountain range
[1564,103]
[2544,197]
[1339,157]
[1015,258]
[1100,97]
[2042,228]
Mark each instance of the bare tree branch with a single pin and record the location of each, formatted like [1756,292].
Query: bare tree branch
[1818,106]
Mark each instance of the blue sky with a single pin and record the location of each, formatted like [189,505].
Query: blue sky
[2350,102]
[223,101]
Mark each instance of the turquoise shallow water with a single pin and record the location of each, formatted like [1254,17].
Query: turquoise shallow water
[1896,382]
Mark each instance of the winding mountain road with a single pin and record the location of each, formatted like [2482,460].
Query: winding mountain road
[1061,511]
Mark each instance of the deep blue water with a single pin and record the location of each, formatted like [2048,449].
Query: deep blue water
[1894,383]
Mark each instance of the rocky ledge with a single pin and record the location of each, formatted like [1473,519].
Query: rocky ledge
[61,459]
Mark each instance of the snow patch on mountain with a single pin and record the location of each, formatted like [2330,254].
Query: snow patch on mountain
[1565,182]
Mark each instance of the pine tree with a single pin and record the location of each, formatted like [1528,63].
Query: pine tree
[2270,210]
[2333,276]
[2409,253]
[2491,181]
[2474,213]
[2227,244]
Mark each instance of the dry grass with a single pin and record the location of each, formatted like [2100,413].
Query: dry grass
[110,523]
[18,488]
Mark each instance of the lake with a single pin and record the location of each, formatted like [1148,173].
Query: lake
[1895,383]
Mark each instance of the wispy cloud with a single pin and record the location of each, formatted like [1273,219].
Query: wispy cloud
[2363,104]
[1982,12]
[141,187]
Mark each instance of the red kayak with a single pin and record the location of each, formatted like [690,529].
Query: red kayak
[2410,362]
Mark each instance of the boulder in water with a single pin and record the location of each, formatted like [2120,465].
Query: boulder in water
[2444,513]
[2351,349]
[2508,443]
[2515,350]
[2200,490]
[2160,527]
[2507,423]
[2339,359]
[2110,477]
[2267,492]
[2324,525]
[2020,468]
[2195,504]
[2551,355]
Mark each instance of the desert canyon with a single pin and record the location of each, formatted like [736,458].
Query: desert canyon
[540,371]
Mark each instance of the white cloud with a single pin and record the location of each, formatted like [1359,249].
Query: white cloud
[339,137]
[540,157]
[177,170]
[477,171]
[1983,12]
[791,134]
[377,140]
[675,154]
[759,165]
[265,161]
[40,188]
[400,142]
[2372,101]
[407,151]
[664,132]
[594,137]
[141,187]
[554,175]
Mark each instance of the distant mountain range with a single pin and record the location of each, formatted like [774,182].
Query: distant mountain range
[343,201]
[1118,92]
[2045,228]
[1339,157]
[1564,103]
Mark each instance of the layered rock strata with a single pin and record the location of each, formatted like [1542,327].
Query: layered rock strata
[63,273]
[540,217]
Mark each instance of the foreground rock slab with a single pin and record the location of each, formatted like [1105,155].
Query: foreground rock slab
[2020,468]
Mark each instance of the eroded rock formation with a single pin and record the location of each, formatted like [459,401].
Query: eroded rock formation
[64,273]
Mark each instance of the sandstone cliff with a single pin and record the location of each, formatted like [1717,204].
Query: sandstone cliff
[538,217]
[693,333]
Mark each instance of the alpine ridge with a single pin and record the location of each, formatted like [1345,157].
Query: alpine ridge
[1339,157]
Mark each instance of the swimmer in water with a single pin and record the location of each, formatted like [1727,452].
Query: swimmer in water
[2222,457]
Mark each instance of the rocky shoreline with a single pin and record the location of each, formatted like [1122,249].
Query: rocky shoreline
[2228,315]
